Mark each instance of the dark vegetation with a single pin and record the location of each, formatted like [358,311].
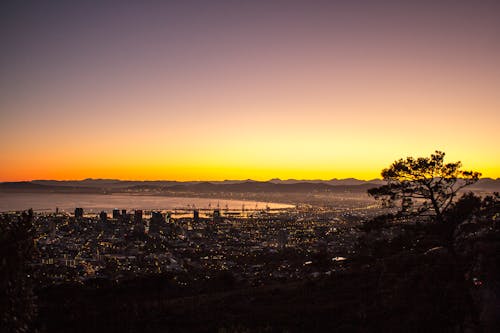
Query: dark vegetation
[17,301]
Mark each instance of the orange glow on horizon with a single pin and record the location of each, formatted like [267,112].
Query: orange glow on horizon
[311,92]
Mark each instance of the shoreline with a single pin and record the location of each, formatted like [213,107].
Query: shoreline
[94,202]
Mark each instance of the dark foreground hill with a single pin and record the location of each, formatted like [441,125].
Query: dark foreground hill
[415,294]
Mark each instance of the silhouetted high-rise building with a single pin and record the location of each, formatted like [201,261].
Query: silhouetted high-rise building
[103,216]
[138,224]
[116,214]
[196,215]
[155,222]
[124,216]
[217,216]
[157,216]
[78,212]
[138,216]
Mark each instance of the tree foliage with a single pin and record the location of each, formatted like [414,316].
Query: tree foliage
[423,185]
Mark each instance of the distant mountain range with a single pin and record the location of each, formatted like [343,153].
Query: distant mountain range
[90,182]
[274,185]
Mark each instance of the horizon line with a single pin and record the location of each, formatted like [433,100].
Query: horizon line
[204,180]
[185,181]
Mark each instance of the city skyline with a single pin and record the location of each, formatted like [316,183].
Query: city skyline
[227,90]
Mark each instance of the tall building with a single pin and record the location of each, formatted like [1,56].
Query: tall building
[78,212]
[138,224]
[217,215]
[103,216]
[116,214]
[138,216]
[196,215]
[155,222]
[124,216]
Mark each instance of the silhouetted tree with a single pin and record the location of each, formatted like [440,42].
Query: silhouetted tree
[464,208]
[490,207]
[424,184]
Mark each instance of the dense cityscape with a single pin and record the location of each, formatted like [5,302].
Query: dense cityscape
[254,246]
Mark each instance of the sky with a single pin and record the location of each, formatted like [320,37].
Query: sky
[213,90]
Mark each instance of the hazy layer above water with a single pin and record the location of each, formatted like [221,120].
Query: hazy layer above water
[98,202]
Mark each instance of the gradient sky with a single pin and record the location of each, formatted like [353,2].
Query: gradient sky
[245,89]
